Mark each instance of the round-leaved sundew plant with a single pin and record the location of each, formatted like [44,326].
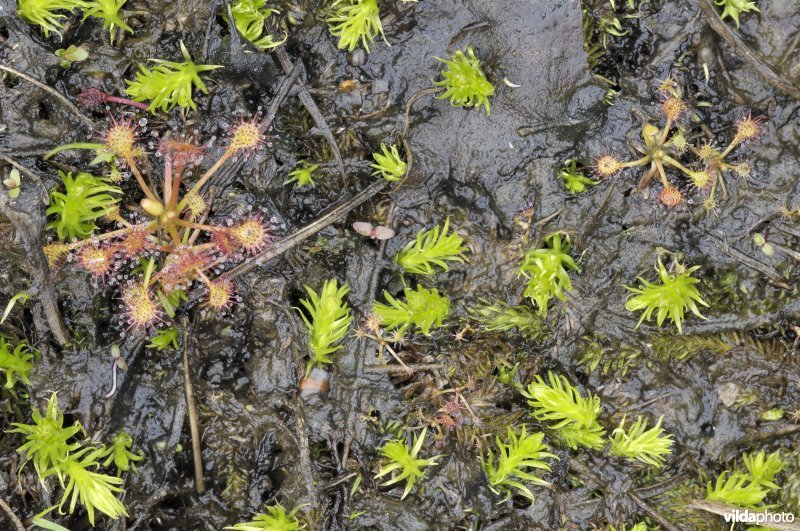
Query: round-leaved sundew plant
[464,82]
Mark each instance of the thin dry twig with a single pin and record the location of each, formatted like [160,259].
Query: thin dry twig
[13,517]
[723,509]
[194,423]
[68,104]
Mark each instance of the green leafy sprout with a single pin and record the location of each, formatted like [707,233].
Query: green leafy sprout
[164,339]
[42,13]
[275,519]
[250,18]
[46,440]
[169,84]
[404,462]
[355,22]
[119,453]
[85,199]
[432,248]
[509,469]
[574,180]
[423,308]
[763,468]
[637,443]
[109,12]
[464,82]
[502,317]
[748,488]
[571,416]
[389,164]
[302,174]
[734,8]
[670,299]
[547,270]
[16,362]
[330,319]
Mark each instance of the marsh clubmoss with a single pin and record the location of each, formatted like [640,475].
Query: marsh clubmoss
[547,270]
[501,317]
[109,12]
[423,308]
[85,199]
[734,8]
[464,82]
[510,468]
[573,178]
[250,17]
[43,13]
[169,84]
[119,453]
[431,249]
[670,299]
[274,519]
[389,164]
[750,487]
[637,443]
[328,322]
[566,411]
[355,22]
[403,463]
[16,362]
[302,175]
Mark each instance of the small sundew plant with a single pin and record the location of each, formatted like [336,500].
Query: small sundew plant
[404,462]
[637,443]
[302,175]
[431,249]
[423,308]
[573,178]
[119,453]
[85,199]
[329,321]
[169,84]
[510,467]
[109,12]
[464,82]
[46,440]
[547,270]
[670,299]
[274,519]
[42,13]
[169,238]
[734,8]
[664,148]
[569,414]
[16,362]
[355,22]
[250,17]
[389,164]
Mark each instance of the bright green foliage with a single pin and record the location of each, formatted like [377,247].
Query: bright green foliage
[671,298]
[464,82]
[404,460]
[640,444]
[275,519]
[85,198]
[119,453]
[46,439]
[763,468]
[42,13]
[389,164]
[302,174]
[16,363]
[423,308]
[514,457]
[169,84]
[501,317]
[250,17]
[330,320]
[547,270]
[737,489]
[355,22]
[574,180]
[108,12]
[92,489]
[733,8]
[641,526]
[573,417]
[165,338]
[432,248]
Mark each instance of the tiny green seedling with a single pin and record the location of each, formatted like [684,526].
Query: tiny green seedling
[404,462]
[389,164]
[274,519]
[72,54]
[302,175]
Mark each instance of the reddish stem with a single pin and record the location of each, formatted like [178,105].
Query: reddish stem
[93,97]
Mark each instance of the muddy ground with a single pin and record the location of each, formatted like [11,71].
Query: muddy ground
[495,177]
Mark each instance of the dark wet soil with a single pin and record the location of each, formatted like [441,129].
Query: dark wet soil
[495,177]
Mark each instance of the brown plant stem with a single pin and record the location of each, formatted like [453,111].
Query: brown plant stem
[11,516]
[191,410]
